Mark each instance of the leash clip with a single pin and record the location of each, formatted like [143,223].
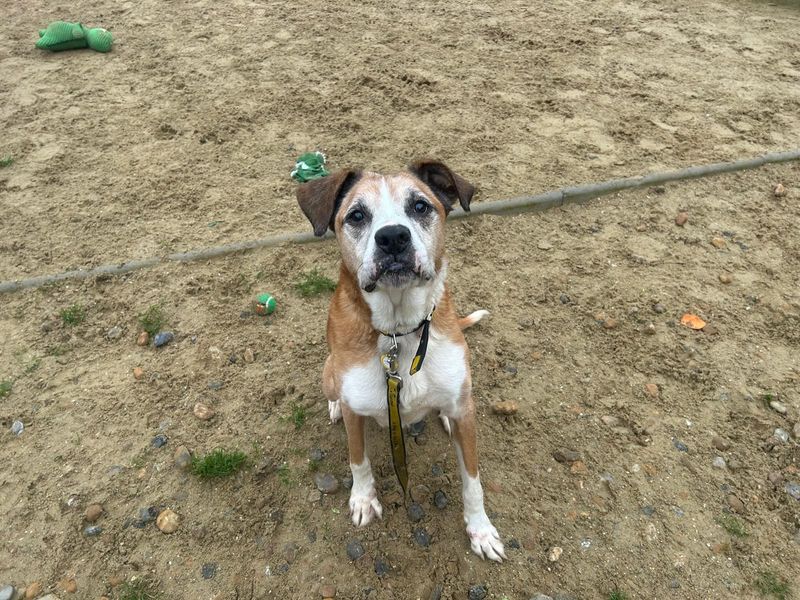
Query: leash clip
[390,359]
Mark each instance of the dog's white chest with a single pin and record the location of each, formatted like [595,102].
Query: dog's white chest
[436,386]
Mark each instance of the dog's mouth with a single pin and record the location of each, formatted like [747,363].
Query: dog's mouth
[393,273]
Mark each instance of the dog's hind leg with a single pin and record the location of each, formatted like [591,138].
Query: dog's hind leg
[331,390]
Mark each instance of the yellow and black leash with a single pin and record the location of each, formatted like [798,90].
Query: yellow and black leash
[394,383]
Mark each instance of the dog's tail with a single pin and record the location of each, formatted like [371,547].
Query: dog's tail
[471,319]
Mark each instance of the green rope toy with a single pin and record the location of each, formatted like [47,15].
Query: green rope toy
[310,165]
[61,35]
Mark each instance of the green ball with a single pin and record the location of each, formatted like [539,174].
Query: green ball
[265,304]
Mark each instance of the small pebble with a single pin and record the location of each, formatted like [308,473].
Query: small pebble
[182,457]
[209,570]
[7,592]
[69,585]
[93,512]
[249,356]
[555,553]
[735,503]
[17,427]
[719,463]
[779,190]
[168,521]
[316,454]
[679,445]
[513,543]
[138,372]
[92,530]
[718,242]
[507,408]
[734,464]
[778,406]
[415,512]
[417,428]
[477,592]
[796,431]
[440,499]
[326,483]
[314,496]
[216,385]
[565,455]
[143,339]
[681,218]
[659,308]
[541,597]
[327,591]
[651,389]
[725,278]
[650,329]
[355,550]
[163,338]
[782,435]
[203,411]
[382,568]
[422,537]
[114,333]
[610,323]
[544,245]
[775,478]
[511,369]
[33,590]
[148,514]
[648,511]
[720,443]
[793,489]
[159,441]
[564,299]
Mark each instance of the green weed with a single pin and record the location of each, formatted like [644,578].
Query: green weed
[732,525]
[219,463]
[5,388]
[153,319]
[73,315]
[6,161]
[314,283]
[138,590]
[298,416]
[770,584]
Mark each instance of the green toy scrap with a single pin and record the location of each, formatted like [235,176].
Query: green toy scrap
[310,165]
[61,35]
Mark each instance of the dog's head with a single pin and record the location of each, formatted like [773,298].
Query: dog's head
[390,228]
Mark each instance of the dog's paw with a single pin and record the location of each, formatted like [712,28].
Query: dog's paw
[445,423]
[485,540]
[364,508]
[334,411]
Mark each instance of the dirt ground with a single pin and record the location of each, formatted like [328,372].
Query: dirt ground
[183,137]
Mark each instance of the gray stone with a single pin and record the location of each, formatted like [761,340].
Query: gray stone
[565,299]
[114,333]
[415,512]
[159,441]
[163,338]
[182,457]
[440,499]
[719,463]
[92,530]
[659,308]
[565,455]
[317,454]
[382,567]
[796,431]
[417,428]
[17,427]
[720,443]
[541,597]
[437,470]
[513,543]
[477,592]
[648,511]
[216,385]
[326,483]
[355,550]
[679,445]
[781,434]
[793,489]
[778,406]
[209,570]
[7,592]
[422,537]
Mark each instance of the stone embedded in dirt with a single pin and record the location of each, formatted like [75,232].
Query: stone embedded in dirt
[725,278]
[775,478]
[510,369]
[734,464]
[720,443]
[159,441]
[168,521]
[143,339]
[555,553]
[33,590]
[610,420]
[138,372]
[7,592]
[779,190]
[17,427]
[477,592]
[314,496]
[417,428]
[216,385]
[679,445]
[68,585]
[327,591]
[317,454]
[541,597]
[718,242]
[781,434]
[326,483]
[544,245]
[422,537]
[93,512]
[735,503]
[249,356]
[415,512]
[793,489]
[796,431]
[659,308]
[208,570]
[681,218]
[182,457]
[650,329]
[440,499]
[610,323]
[355,550]
[565,455]
[163,338]
[203,411]
[564,299]
[437,470]
[578,468]
[651,389]
[420,493]
[719,463]
[778,406]
[114,333]
[382,567]
[506,407]
[92,531]
[536,355]
[648,511]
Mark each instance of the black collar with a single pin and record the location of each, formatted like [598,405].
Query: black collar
[419,357]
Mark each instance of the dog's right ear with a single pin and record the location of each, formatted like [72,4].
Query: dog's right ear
[320,198]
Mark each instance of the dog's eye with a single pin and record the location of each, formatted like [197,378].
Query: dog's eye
[356,216]
[421,207]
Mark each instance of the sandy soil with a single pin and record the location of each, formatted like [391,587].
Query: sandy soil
[183,137]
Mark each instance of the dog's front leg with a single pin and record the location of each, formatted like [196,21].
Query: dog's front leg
[483,537]
[364,504]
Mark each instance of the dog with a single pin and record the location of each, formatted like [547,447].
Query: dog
[391,300]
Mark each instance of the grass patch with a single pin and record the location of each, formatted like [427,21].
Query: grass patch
[617,595]
[285,474]
[732,525]
[5,388]
[770,584]
[153,319]
[313,465]
[6,161]
[298,416]
[32,366]
[219,463]
[138,590]
[73,315]
[314,283]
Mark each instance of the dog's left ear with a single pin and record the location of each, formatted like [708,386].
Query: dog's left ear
[320,198]
[447,186]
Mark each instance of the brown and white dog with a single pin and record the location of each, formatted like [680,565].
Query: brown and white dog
[390,229]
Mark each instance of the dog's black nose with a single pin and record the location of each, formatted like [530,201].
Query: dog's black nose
[393,239]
